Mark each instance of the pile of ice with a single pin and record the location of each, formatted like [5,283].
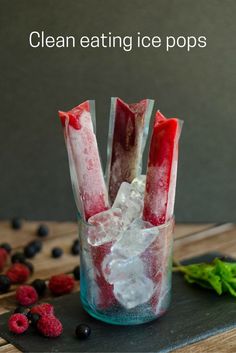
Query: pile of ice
[129,237]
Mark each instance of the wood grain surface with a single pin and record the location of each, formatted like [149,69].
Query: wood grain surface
[190,240]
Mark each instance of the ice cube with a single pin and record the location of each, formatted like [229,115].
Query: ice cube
[135,239]
[130,201]
[122,196]
[138,183]
[105,227]
[120,269]
[133,292]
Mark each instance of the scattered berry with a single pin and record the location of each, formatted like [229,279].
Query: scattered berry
[18,257]
[29,265]
[33,318]
[5,284]
[61,284]
[43,309]
[3,258]
[6,246]
[75,249]
[42,230]
[18,273]
[76,272]
[39,285]
[57,252]
[18,323]
[49,326]
[3,254]
[21,310]
[29,251]
[37,244]
[16,223]
[26,295]
[83,331]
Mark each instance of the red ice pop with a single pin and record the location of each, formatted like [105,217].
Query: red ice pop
[160,194]
[87,179]
[162,170]
[86,171]
[127,136]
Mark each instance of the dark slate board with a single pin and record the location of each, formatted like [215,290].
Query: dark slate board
[194,314]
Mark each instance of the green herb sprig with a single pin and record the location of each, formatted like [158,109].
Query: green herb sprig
[218,275]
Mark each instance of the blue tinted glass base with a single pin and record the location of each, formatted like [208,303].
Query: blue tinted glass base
[117,315]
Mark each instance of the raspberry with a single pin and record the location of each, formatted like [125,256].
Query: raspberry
[61,284]
[43,309]
[18,273]
[3,257]
[50,326]
[18,323]
[26,295]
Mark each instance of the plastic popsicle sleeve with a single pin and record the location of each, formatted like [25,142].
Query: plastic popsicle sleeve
[160,191]
[88,183]
[162,170]
[128,130]
[87,179]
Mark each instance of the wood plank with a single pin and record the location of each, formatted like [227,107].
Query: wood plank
[224,242]
[19,238]
[223,343]
[182,230]
[205,233]
[2,341]
[9,348]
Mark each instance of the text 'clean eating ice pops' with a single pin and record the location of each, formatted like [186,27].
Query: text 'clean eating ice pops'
[128,132]
[85,167]
[162,170]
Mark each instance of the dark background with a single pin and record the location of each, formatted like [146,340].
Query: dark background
[198,87]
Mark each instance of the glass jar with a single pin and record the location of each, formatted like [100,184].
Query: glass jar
[126,282]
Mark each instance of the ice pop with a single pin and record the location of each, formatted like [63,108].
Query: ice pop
[88,183]
[127,137]
[162,170]
[85,166]
[160,194]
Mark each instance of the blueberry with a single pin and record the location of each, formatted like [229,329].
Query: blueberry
[76,242]
[57,252]
[18,257]
[21,310]
[29,251]
[37,244]
[5,283]
[42,230]
[16,223]
[29,265]
[33,318]
[83,331]
[39,285]
[76,272]
[75,249]
[6,246]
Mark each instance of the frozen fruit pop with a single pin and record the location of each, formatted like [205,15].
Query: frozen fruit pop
[87,178]
[85,166]
[162,170]
[127,137]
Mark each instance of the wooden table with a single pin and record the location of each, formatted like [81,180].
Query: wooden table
[190,240]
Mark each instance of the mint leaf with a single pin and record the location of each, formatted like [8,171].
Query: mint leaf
[218,275]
